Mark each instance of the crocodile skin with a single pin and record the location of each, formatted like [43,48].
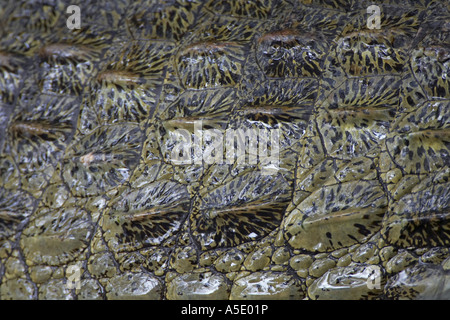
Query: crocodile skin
[342,192]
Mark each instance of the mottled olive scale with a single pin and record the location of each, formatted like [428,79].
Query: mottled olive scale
[86,178]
